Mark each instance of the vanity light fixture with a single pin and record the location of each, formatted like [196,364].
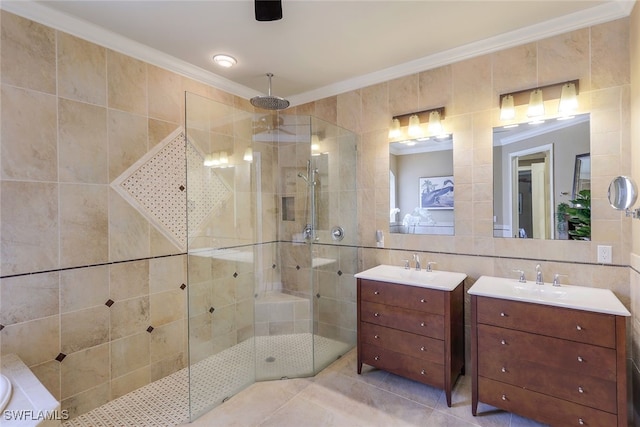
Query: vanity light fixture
[224,159]
[212,160]
[248,155]
[413,121]
[225,61]
[568,100]
[507,109]
[394,130]
[565,92]
[414,129]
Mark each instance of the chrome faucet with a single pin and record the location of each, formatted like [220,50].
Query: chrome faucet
[539,280]
[429,266]
[406,264]
[556,276]
[416,258]
[522,278]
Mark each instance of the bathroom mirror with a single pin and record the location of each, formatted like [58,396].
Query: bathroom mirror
[622,193]
[421,186]
[539,169]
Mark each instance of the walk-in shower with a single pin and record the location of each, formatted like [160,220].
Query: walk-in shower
[271,292]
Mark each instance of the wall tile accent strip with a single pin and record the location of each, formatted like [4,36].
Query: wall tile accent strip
[154,186]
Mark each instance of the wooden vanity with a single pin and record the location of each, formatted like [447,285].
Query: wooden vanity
[412,329]
[549,355]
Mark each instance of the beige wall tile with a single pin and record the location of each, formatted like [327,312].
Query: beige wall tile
[87,400]
[28,54]
[82,143]
[167,341]
[126,83]
[128,230]
[30,297]
[82,329]
[129,317]
[82,70]
[563,56]
[29,228]
[129,354]
[43,344]
[83,225]
[166,307]
[514,69]
[166,97]
[167,273]
[129,280]
[83,288]
[35,157]
[49,375]
[84,370]
[128,141]
[610,54]
[130,382]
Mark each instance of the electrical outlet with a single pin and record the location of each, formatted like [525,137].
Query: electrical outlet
[604,254]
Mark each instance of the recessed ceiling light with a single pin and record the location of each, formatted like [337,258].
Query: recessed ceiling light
[225,61]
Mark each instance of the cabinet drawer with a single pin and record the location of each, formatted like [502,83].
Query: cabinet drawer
[575,325]
[412,297]
[578,358]
[581,389]
[550,410]
[417,346]
[418,322]
[406,366]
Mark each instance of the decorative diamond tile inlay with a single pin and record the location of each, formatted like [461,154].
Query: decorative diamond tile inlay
[109,303]
[150,329]
[183,286]
[155,186]
[60,357]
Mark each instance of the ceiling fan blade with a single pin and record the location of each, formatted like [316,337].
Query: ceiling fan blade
[268,10]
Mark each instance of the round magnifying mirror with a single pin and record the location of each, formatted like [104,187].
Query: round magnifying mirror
[622,193]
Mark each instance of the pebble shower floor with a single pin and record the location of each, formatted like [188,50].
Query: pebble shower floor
[165,402]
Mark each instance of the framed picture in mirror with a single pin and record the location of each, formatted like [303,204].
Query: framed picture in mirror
[436,192]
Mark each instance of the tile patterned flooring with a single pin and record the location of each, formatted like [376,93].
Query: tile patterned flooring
[339,397]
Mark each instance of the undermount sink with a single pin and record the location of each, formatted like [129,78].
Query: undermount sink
[578,297]
[436,279]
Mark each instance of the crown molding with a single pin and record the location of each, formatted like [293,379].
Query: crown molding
[80,28]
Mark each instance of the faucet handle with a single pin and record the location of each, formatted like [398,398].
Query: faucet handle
[555,279]
[521,279]
[429,265]
[406,264]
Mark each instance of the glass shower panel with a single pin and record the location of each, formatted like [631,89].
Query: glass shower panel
[220,251]
[334,252]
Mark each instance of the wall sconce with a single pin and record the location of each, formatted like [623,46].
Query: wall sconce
[248,155]
[566,92]
[414,122]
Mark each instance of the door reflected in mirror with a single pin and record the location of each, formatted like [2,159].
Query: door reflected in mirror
[421,186]
[542,179]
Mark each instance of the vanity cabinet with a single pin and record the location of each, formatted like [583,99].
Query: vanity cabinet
[412,331]
[560,366]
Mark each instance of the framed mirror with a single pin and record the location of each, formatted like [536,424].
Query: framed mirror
[539,170]
[421,186]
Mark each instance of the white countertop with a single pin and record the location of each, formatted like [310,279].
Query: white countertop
[436,279]
[568,296]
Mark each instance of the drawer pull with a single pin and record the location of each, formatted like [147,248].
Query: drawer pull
[580,359]
[504,397]
[376,357]
[376,314]
[503,314]
[580,389]
[422,300]
[503,342]
[580,421]
[422,348]
[421,323]
[376,293]
[422,372]
[578,327]
[376,336]
[503,369]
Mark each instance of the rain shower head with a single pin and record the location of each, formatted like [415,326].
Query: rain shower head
[269,102]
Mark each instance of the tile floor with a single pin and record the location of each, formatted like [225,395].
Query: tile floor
[339,397]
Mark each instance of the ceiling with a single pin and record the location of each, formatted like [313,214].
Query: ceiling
[320,47]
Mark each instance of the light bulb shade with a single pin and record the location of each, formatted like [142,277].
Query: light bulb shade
[248,155]
[507,109]
[568,99]
[414,129]
[394,129]
[224,158]
[435,125]
[536,104]
[212,160]
[225,61]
